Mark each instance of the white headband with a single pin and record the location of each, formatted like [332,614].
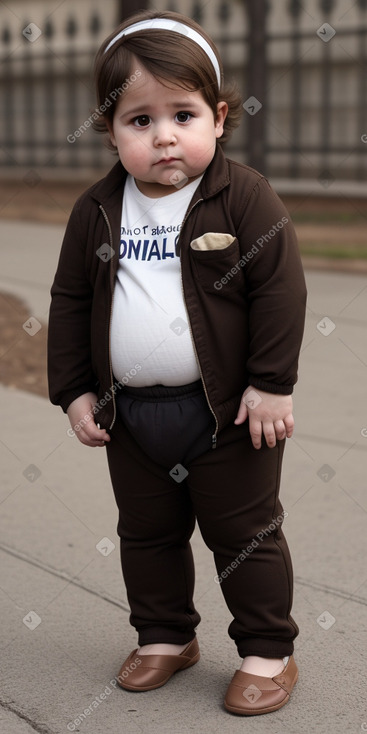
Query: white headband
[166,24]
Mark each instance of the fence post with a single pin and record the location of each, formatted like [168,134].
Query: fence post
[256,84]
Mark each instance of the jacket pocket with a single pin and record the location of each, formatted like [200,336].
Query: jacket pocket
[216,262]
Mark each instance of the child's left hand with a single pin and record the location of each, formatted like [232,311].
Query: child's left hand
[272,415]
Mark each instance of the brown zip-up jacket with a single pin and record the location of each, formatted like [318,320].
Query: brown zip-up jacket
[243,287]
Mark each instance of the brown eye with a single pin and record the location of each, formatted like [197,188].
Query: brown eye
[183,116]
[142,121]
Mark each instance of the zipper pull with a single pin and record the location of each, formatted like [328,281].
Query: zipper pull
[214,441]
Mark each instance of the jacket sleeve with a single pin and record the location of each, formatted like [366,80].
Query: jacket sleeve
[69,346]
[276,291]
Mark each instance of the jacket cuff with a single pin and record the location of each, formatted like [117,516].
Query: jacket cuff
[68,397]
[270,386]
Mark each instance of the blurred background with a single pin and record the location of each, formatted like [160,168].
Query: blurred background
[304,63]
[308,74]
[312,89]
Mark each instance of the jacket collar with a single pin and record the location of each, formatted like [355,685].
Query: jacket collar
[217,175]
[215,179]
[113,182]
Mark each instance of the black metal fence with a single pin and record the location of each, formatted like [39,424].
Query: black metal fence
[309,83]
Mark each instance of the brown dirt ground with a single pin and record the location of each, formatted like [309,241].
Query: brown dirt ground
[22,357]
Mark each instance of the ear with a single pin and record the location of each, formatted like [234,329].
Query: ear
[109,126]
[222,112]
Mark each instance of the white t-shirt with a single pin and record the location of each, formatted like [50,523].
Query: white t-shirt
[149,323]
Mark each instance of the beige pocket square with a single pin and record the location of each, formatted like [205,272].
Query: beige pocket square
[212,241]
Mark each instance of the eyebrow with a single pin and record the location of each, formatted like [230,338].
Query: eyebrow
[145,107]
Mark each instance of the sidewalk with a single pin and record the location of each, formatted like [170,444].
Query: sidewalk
[65,627]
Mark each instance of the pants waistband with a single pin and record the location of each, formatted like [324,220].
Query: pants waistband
[163,393]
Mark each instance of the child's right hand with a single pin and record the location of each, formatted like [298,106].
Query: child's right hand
[85,427]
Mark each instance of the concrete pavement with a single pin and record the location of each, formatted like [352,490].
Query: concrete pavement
[63,606]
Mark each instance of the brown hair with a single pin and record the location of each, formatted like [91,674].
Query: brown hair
[169,57]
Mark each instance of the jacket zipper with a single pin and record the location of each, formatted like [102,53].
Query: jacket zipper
[214,436]
[109,321]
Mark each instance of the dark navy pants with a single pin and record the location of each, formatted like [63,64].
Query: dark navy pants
[171,424]
[165,476]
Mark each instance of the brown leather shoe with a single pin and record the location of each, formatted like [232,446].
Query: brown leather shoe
[249,694]
[146,672]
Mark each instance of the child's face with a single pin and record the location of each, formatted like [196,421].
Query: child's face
[159,131]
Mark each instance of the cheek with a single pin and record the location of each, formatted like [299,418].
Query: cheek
[124,140]
[201,148]
[132,152]
[206,133]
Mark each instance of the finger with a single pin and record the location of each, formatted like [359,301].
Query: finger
[83,438]
[255,432]
[280,430]
[87,441]
[104,435]
[242,413]
[92,435]
[289,425]
[96,433]
[269,434]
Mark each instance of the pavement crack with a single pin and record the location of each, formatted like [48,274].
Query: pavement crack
[63,575]
[331,590]
[40,728]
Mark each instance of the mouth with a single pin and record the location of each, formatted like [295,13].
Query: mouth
[166,160]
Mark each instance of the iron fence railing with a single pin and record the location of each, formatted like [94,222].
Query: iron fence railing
[313,90]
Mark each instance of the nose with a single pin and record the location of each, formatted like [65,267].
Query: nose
[164,134]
